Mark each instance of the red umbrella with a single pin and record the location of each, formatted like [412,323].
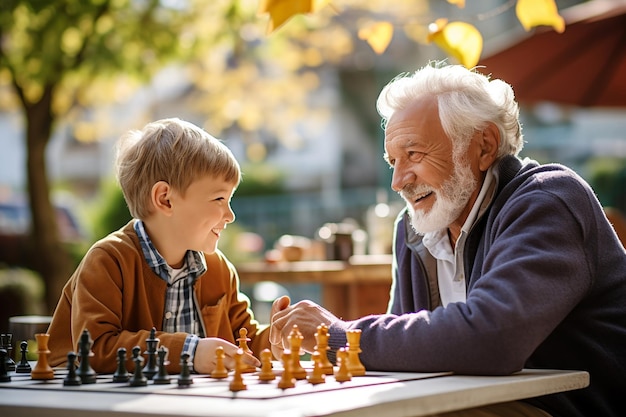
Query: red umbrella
[583,66]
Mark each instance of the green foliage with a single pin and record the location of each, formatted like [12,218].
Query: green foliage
[28,284]
[110,212]
[260,179]
[21,293]
[70,44]
[76,251]
[608,179]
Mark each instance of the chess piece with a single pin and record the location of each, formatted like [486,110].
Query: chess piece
[42,370]
[237,383]
[321,337]
[85,372]
[220,370]
[4,374]
[295,343]
[286,380]
[243,345]
[151,353]
[184,379]
[266,373]
[138,379]
[6,343]
[71,379]
[243,340]
[121,373]
[162,377]
[355,366]
[317,375]
[23,367]
[342,374]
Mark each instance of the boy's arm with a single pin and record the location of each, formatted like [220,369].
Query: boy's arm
[116,297]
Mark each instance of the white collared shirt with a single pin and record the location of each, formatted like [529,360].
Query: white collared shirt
[450,267]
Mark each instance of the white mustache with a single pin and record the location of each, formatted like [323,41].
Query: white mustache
[412,192]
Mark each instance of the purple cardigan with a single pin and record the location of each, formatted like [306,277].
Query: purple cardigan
[546,288]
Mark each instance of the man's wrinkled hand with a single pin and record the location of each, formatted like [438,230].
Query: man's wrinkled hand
[307,315]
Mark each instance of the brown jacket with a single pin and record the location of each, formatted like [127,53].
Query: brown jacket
[117,297]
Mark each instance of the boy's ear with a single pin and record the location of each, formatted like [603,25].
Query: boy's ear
[490,143]
[160,197]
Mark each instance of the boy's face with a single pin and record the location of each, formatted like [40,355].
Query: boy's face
[202,213]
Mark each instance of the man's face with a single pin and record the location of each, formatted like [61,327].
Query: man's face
[436,184]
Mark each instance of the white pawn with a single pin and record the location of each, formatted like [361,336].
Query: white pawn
[321,337]
[355,366]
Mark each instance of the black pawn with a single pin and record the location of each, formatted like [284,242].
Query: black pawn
[121,373]
[138,380]
[151,353]
[71,379]
[6,343]
[162,377]
[4,375]
[23,367]
[184,379]
[85,372]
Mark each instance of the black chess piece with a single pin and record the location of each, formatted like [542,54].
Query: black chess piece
[71,379]
[121,373]
[23,367]
[85,372]
[151,353]
[162,376]
[4,374]
[6,343]
[138,379]
[184,379]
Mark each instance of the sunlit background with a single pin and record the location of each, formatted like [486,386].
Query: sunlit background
[296,106]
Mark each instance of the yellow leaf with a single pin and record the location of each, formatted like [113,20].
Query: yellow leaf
[282,10]
[459,3]
[533,13]
[460,40]
[378,35]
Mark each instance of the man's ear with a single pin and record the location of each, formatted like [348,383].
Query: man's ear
[160,197]
[489,145]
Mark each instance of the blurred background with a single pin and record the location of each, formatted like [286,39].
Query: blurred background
[296,106]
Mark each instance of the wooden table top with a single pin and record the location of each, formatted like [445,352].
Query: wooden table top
[359,269]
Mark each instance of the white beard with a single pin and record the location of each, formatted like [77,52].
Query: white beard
[450,200]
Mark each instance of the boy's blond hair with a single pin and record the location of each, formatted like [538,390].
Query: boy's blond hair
[170,150]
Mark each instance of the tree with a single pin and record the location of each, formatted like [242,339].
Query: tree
[56,57]
[51,55]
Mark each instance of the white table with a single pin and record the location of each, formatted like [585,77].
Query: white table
[421,397]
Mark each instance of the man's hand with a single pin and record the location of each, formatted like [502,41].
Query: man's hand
[204,359]
[279,304]
[307,316]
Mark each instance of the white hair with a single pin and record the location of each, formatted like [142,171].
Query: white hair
[467,101]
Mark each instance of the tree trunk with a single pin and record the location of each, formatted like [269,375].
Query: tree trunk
[48,255]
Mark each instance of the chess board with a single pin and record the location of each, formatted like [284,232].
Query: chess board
[205,386]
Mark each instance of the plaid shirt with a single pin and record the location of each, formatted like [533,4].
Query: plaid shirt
[181,314]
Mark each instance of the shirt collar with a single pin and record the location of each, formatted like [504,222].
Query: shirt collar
[437,242]
[483,201]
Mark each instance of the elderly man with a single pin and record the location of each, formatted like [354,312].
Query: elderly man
[499,263]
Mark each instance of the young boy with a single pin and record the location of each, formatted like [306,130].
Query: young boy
[162,269]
